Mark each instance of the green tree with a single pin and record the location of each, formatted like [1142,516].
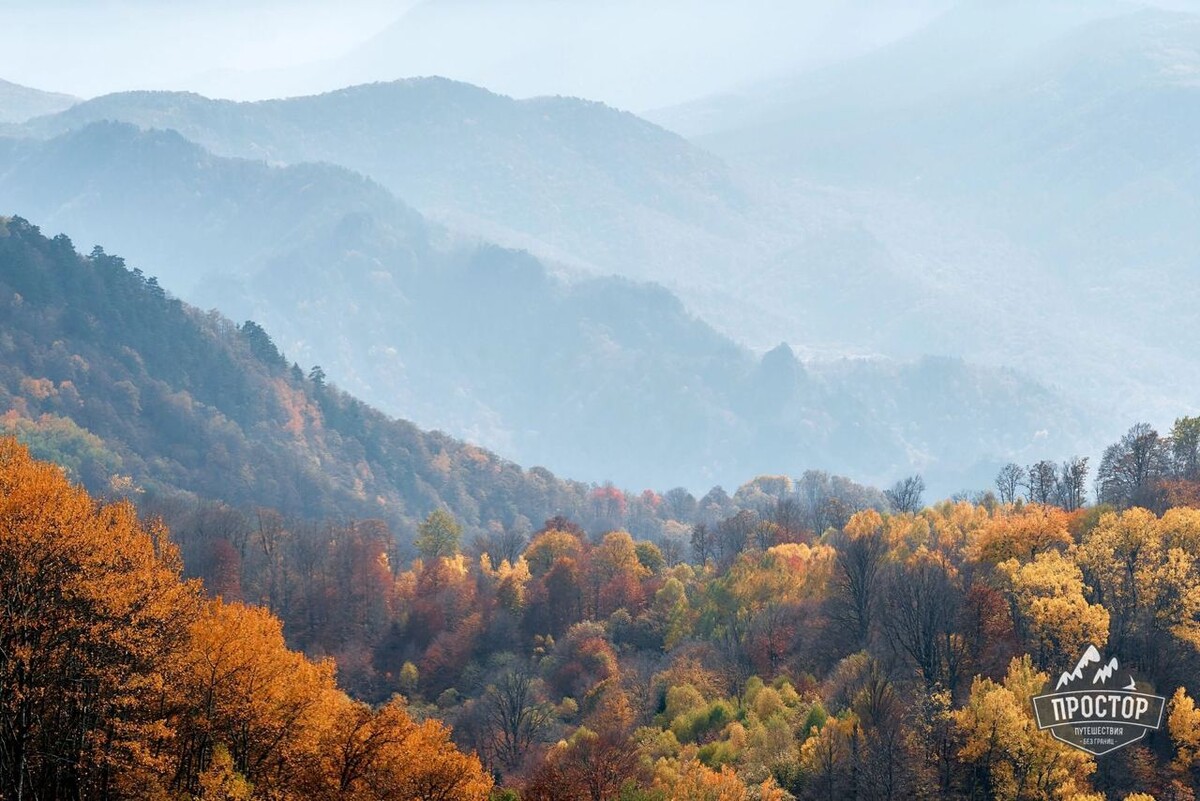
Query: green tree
[438,536]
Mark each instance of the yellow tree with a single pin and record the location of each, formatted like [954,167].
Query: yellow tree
[614,575]
[1145,571]
[92,613]
[550,546]
[220,782]
[1021,534]
[1120,555]
[688,779]
[425,766]
[1011,758]
[1051,609]
[245,691]
[827,757]
[954,525]
[1183,723]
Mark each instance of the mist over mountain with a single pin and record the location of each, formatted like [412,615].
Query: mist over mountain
[132,390]
[577,183]
[629,54]
[893,205]
[20,103]
[1037,158]
[594,186]
[595,378]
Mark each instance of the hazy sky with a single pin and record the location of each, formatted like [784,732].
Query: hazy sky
[89,47]
[635,54]
[631,53]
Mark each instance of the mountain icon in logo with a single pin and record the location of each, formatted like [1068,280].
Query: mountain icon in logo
[1098,707]
[1108,675]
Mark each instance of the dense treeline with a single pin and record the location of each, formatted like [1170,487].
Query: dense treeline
[331,581]
[1143,468]
[891,657]
[119,680]
[849,644]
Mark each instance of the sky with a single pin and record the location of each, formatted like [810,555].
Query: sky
[91,47]
[635,54]
[638,55]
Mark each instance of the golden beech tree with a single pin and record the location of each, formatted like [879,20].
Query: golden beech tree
[118,681]
[249,694]
[93,615]
[1012,760]
[1021,534]
[1051,608]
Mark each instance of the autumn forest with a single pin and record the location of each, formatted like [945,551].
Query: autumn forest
[810,638]
[511,400]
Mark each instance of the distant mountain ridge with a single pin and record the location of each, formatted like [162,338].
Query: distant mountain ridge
[20,103]
[1054,140]
[831,266]
[457,150]
[599,379]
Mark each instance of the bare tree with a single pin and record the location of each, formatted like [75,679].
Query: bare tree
[921,621]
[506,544]
[1131,469]
[733,534]
[905,495]
[681,504]
[1071,492]
[703,544]
[1009,480]
[1042,481]
[788,515]
[859,560]
[514,716]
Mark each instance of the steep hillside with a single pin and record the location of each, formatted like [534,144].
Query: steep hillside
[128,387]
[598,379]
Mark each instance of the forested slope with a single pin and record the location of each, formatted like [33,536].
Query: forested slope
[105,372]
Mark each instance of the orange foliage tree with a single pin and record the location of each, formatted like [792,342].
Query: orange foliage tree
[118,681]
